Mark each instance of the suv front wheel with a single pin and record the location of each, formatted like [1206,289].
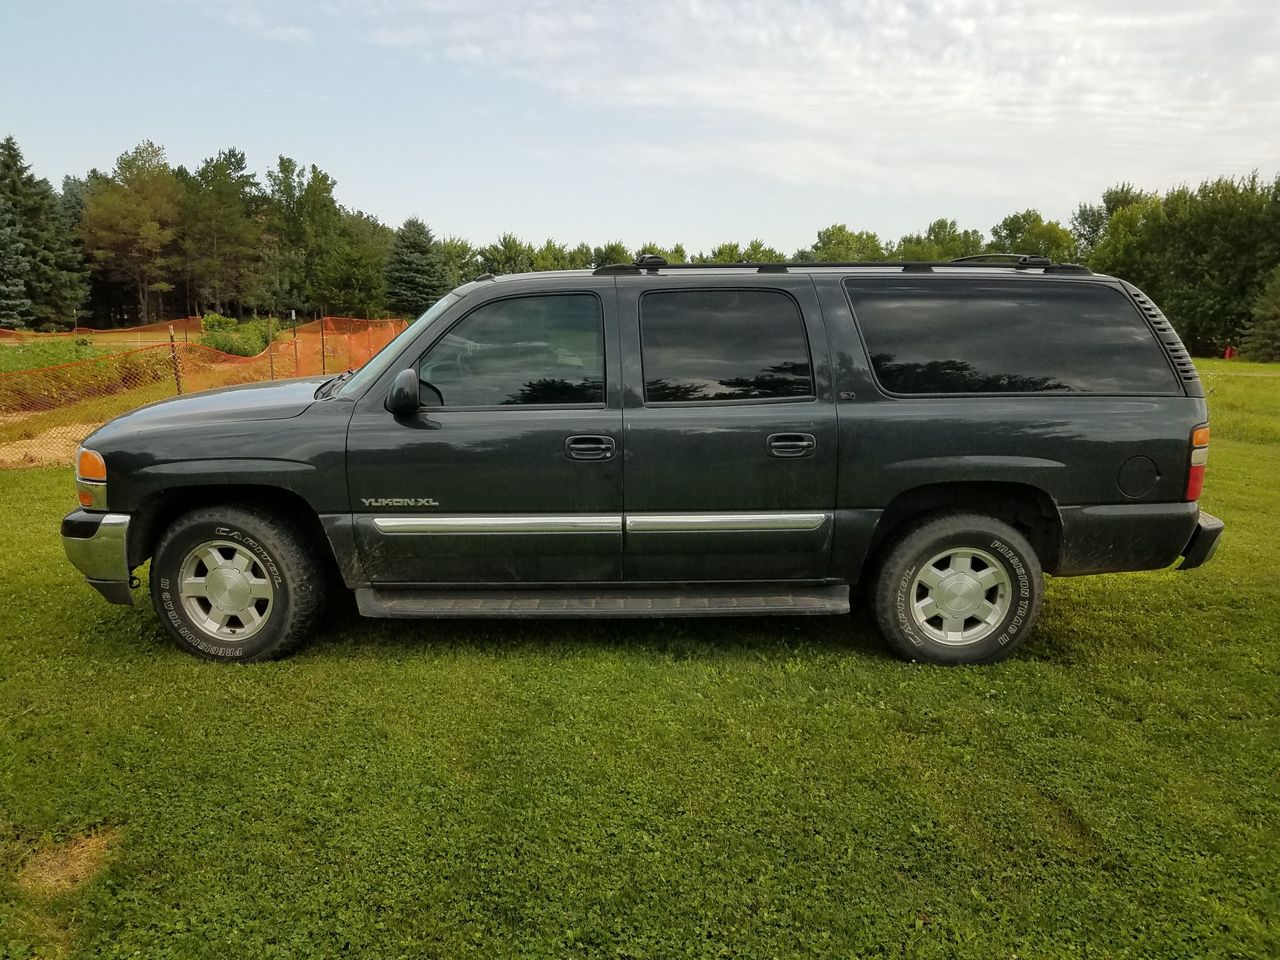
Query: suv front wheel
[958,588]
[235,583]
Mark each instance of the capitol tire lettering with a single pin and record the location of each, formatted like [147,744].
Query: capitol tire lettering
[977,603]
[268,601]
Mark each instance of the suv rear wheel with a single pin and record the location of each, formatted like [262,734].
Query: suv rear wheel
[958,588]
[235,583]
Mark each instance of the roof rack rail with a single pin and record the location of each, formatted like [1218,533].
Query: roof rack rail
[1020,259]
[652,263]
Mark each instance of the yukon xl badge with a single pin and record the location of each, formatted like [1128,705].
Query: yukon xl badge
[399,502]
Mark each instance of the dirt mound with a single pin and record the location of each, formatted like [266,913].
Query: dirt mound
[54,447]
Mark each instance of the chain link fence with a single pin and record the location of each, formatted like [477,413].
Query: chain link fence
[46,412]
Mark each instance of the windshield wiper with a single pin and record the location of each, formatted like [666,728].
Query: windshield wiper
[333,383]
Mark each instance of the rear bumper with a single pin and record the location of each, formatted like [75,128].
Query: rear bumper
[1203,543]
[97,544]
[1114,538]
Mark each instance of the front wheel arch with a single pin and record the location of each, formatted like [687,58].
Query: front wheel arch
[157,512]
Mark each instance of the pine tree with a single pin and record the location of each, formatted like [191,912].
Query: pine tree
[416,272]
[1262,335]
[15,307]
[54,282]
[129,221]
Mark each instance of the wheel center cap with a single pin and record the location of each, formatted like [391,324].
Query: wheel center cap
[228,590]
[961,595]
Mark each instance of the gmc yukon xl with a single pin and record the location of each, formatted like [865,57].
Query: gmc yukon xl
[676,440]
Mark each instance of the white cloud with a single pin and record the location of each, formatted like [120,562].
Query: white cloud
[1027,102]
[251,20]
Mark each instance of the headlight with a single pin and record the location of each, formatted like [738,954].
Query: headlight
[91,466]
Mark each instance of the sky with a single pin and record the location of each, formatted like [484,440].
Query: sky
[669,120]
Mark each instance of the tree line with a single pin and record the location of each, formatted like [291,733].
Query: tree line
[147,240]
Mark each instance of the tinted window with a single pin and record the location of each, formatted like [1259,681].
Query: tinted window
[1007,336]
[723,345]
[524,350]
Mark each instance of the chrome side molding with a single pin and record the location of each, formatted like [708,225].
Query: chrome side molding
[745,522]
[503,523]
[723,522]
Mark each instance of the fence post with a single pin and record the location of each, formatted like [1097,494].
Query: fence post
[323,369]
[271,351]
[173,356]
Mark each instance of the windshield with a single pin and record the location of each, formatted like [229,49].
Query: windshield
[381,360]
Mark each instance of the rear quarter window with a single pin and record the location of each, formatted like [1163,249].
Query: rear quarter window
[958,336]
[723,345]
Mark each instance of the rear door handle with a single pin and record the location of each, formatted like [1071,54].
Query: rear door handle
[589,448]
[791,445]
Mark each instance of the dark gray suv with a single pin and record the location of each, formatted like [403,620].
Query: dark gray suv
[654,440]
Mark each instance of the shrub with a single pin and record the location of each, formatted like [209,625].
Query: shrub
[242,338]
[1262,335]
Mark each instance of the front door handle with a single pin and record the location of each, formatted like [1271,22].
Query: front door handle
[589,448]
[791,444]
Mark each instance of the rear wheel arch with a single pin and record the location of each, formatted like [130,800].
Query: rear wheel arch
[1026,508]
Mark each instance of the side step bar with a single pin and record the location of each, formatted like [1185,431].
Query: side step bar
[685,600]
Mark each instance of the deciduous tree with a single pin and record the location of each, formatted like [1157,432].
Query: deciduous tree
[352,275]
[615,252]
[942,240]
[508,254]
[672,254]
[837,242]
[1090,220]
[1262,335]
[1028,232]
[461,263]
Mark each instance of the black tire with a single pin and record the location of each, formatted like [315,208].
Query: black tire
[276,552]
[1014,598]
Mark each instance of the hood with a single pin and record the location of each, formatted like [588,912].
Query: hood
[277,400]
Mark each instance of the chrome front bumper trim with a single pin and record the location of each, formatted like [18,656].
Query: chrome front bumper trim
[103,556]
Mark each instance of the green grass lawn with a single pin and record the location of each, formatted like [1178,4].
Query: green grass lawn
[736,788]
[44,353]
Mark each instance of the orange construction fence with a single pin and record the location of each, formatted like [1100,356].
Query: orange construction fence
[46,412]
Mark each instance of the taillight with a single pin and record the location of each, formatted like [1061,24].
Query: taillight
[1199,457]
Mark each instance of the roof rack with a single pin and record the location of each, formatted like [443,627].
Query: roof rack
[652,263]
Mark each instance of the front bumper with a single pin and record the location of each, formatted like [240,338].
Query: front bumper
[1204,541]
[97,544]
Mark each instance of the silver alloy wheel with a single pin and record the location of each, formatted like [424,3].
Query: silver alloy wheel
[960,596]
[225,591]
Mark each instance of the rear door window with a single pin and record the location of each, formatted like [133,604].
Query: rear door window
[524,350]
[931,336]
[723,345]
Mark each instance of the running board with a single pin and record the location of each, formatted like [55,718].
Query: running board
[712,600]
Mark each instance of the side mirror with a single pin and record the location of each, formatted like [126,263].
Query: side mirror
[403,399]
